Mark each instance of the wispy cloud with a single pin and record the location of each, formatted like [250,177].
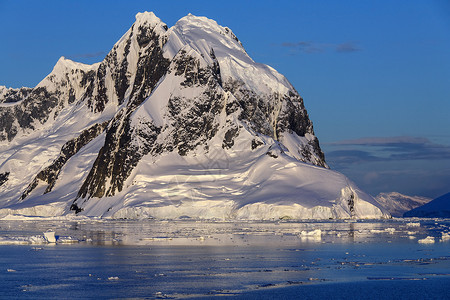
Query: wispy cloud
[407,164]
[377,141]
[315,47]
[386,149]
[347,157]
[347,47]
[306,47]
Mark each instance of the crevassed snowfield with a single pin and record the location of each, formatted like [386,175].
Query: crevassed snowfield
[191,259]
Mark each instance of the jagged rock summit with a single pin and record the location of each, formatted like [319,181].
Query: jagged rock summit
[174,123]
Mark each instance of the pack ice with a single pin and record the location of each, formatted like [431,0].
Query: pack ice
[174,123]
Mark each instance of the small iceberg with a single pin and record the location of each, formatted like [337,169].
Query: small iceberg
[445,236]
[49,236]
[313,233]
[427,240]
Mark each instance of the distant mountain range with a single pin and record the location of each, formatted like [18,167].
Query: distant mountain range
[437,208]
[397,204]
[174,123]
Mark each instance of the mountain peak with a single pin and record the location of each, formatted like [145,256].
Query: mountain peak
[397,204]
[192,22]
[173,122]
[146,16]
[148,20]
[64,63]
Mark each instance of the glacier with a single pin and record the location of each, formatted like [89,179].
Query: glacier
[174,123]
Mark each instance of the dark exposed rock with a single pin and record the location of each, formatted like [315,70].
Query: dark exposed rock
[50,174]
[119,68]
[233,36]
[34,109]
[271,154]
[189,67]
[256,144]
[15,95]
[75,208]
[88,78]
[293,116]
[98,102]
[351,204]
[215,67]
[193,120]
[254,109]
[228,140]
[30,188]
[318,151]
[3,178]
[119,155]
[71,96]
[265,113]
[274,114]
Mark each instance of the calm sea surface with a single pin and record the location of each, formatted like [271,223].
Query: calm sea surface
[188,259]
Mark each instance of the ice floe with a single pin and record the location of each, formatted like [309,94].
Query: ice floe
[427,240]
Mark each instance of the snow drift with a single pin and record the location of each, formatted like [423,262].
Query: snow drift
[174,123]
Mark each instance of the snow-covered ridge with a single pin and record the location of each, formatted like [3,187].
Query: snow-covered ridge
[204,34]
[174,122]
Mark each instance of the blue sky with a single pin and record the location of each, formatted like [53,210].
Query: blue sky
[374,75]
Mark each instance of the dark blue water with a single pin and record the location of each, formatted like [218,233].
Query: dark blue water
[357,266]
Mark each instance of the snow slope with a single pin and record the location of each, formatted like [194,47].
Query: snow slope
[397,204]
[437,208]
[174,123]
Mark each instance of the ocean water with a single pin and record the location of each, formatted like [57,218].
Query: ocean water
[262,260]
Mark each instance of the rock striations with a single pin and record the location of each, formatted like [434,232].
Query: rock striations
[174,122]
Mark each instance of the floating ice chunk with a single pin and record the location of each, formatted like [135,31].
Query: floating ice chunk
[49,236]
[37,239]
[21,240]
[314,233]
[113,278]
[11,270]
[445,236]
[390,230]
[413,224]
[67,240]
[411,234]
[427,240]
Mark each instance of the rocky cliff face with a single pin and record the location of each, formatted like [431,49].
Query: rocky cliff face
[190,91]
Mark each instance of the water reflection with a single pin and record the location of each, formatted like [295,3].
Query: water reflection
[159,259]
[152,232]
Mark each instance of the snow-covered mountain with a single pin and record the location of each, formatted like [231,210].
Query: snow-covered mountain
[437,208]
[174,122]
[397,204]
